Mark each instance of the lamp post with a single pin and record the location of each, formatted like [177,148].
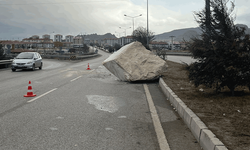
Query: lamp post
[125,29]
[172,37]
[119,33]
[53,35]
[133,19]
[147,23]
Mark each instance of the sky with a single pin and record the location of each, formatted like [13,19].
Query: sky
[23,18]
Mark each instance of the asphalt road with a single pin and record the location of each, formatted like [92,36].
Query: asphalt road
[181,59]
[81,109]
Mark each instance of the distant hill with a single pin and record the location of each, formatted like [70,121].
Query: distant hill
[100,37]
[179,34]
[186,34]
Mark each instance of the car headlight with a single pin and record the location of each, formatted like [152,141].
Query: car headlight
[13,63]
[30,62]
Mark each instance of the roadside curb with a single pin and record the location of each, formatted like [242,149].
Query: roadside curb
[206,139]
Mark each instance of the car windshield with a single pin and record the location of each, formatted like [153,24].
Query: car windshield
[25,56]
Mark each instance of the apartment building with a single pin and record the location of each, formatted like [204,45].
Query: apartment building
[110,42]
[156,44]
[35,37]
[125,40]
[58,38]
[46,36]
[69,38]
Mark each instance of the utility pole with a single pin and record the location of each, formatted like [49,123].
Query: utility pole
[147,23]
[133,19]
[172,37]
[124,30]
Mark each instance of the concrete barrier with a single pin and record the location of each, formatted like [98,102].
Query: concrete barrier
[206,139]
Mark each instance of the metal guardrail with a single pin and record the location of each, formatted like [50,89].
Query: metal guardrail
[5,61]
[178,54]
[69,57]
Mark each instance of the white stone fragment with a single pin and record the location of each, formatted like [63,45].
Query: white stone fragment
[201,90]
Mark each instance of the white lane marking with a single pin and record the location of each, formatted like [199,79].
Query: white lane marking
[75,79]
[122,117]
[156,121]
[42,95]
[53,129]
[109,129]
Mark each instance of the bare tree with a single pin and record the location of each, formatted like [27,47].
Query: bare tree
[140,35]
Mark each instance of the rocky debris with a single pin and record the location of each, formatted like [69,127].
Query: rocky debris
[133,62]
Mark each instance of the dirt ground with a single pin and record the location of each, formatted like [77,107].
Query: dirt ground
[228,117]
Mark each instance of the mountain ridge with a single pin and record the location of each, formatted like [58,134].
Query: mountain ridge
[187,33]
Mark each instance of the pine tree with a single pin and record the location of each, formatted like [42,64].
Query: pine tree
[222,51]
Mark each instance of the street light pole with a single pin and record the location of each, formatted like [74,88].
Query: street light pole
[119,33]
[125,29]
[147,23]
[133,19]
[172,37]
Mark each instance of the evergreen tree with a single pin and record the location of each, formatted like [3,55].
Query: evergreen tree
[222,51]
[1,51]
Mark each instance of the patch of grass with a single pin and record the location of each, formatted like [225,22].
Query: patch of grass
[225,115]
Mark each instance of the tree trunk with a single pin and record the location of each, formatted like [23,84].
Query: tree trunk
[208,12]
[232,90]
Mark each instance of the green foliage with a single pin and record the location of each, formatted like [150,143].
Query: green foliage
[58,44]
[223,51]
[1,51]
[117,46]
[110,49]
[84,49]
[140,35]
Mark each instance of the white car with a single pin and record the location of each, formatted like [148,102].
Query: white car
[27,60]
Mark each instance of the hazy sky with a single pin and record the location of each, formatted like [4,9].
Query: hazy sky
[24,18]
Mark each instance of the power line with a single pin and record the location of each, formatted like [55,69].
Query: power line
[60,3]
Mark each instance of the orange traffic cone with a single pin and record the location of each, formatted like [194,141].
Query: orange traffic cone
[88,67]
[30,93]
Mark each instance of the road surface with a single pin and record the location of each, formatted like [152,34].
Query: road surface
[181,59]
[81,109]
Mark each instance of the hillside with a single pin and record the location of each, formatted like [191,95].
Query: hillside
[100,37]
[179,34]
[186,34]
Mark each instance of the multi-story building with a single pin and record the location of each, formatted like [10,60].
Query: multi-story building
[37,40]
[155,44]
[110,42]
[35,37]
[121,41]
[46,36]
[69,38]
[78,41]
[87,41]
[125,40]
[27,45]
[58,38]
